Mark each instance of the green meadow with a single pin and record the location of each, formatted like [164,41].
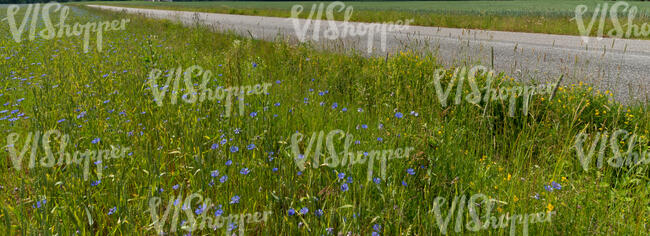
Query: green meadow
[552,17]
[244,162]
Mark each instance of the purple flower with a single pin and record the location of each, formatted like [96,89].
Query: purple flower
[214,173]
[234,149]
[244,171]
[112,210]
[344,187]
[232,226]
[234,199]
[318,213]
[218,212]
[215,146]
[291,212]
[411,171]
[341,175]
[548,188]
[556,185]
[96,140]
[399,115]
[250,146]
[228,162]
[223,179]
[376,180]
[304,211]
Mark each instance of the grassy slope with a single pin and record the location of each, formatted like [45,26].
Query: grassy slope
[461,149]
[552,17]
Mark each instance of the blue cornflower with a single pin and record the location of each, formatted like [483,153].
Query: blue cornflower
[175,187]
[96,140]
[223,141]
[61,120]
[364,126]
[399,115]
[556,185]
[223,179]
[344,187]
[318,212]
[234,199]
[376,180]
[232,226]
[244,171]
[376,227]
[234,149]
[304,211]
[253,114]
[335,105]
[404,183]
[548,188]
[250,146]
[275,169]
[291,212]
[218,212]
[95,183]
[341,175]
[112,210]
[214,173]
[215,146]
[344,109]
[228,162]
[411,171]
[349,180]
[254,64]
[199,210]
[380,139]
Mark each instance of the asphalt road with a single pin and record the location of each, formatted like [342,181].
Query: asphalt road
[618,65]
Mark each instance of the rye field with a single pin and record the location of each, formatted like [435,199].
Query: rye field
[179,130]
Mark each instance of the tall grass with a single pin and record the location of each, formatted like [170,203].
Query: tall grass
[460,149]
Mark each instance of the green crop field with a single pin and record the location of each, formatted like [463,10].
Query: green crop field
[189,142]
[552,16]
